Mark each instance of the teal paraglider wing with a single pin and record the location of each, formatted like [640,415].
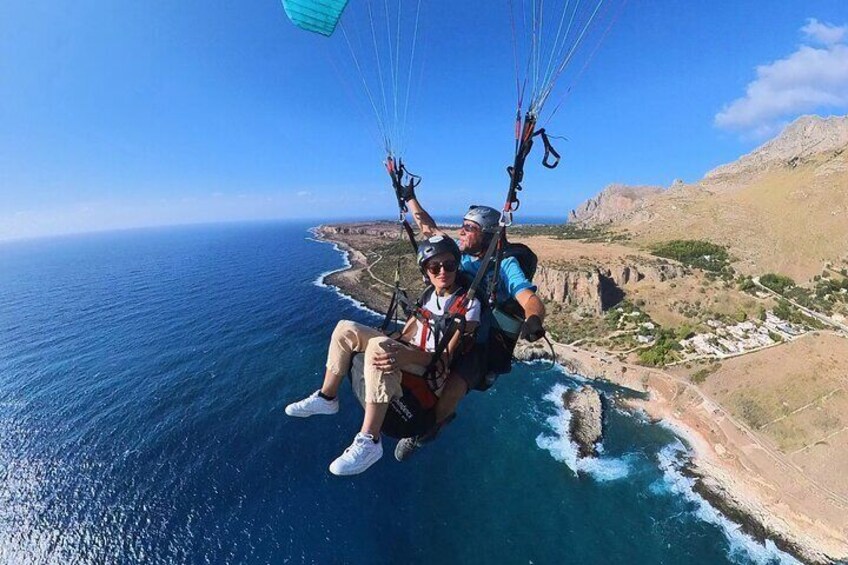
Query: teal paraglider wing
[320,16]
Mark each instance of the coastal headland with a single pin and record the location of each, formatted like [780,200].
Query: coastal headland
[760,400]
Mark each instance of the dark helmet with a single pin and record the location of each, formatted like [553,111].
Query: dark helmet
[436,245]
[487,218]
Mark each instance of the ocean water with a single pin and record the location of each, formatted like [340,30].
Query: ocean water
[142,380]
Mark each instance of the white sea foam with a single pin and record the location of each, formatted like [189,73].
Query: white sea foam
[557,367]
[320,281]
[561,447]
[671,459]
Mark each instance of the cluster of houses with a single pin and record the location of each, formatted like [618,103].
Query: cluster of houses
[745,336]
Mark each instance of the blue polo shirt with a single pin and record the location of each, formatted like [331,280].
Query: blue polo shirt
[512,281]
[512,278]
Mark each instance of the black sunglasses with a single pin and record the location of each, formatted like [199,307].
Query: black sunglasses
[433,267]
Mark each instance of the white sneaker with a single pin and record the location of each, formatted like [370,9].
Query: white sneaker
[311,405]
[361,454]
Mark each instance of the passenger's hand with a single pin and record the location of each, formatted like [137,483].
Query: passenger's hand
[532,329]
[395,357]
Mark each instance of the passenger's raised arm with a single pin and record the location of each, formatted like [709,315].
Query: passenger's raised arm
[423,220]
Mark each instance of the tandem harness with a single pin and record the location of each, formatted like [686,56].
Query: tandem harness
[414,412]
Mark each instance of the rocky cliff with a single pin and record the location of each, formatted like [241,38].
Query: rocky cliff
[594,288]
[615,202]
[375,229]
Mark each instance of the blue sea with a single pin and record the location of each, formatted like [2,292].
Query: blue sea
[143,376]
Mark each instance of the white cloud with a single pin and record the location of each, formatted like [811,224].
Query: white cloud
[810,79]
[824,33]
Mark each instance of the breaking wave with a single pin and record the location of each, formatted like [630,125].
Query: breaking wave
[560,446]
[741,546]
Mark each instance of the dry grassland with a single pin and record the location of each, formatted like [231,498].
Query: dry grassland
[788,221]
[796,398]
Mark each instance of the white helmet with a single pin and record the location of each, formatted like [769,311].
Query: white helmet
[487,218]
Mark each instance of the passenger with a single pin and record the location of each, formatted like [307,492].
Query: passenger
[385,357]
[479,226]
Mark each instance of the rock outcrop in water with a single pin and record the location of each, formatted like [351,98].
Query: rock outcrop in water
[586,425]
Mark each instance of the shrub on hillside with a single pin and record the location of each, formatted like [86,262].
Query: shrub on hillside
[700,376]
[746,284]
[695,253]
[777,283]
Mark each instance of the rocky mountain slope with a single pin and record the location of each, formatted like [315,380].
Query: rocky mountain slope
[803,141]
[615,202]
[782,208]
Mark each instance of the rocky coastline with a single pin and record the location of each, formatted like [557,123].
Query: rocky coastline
[658,395]
[349,280]
[719,486]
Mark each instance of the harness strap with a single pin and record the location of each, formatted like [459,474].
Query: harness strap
[425,329]
[549,150]
[436,365]
[443,326]
[397,172]
[409,234]
[496,275]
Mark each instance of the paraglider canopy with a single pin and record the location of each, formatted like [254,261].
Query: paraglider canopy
[320,16]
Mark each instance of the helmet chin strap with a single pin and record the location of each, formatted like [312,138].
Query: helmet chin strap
[484,245]
[478,250]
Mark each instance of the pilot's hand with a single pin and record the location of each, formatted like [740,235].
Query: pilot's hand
[532,329]
[407,192]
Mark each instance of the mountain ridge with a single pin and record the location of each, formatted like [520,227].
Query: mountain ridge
[781,208]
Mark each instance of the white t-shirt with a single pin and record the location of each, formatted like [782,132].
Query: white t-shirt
[436,305]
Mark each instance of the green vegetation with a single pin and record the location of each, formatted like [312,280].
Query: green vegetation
[746,284]
[565,326]
[700,376]
[558,231]
[684,332]
[753,413]
[695,253]
[662,351]
[827,295]
[569,231]
[385,268]
[785,311]
[777,283]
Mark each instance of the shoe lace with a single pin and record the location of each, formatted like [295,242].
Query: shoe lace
[359,444]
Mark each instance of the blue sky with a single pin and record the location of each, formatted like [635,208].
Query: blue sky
[121,114]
